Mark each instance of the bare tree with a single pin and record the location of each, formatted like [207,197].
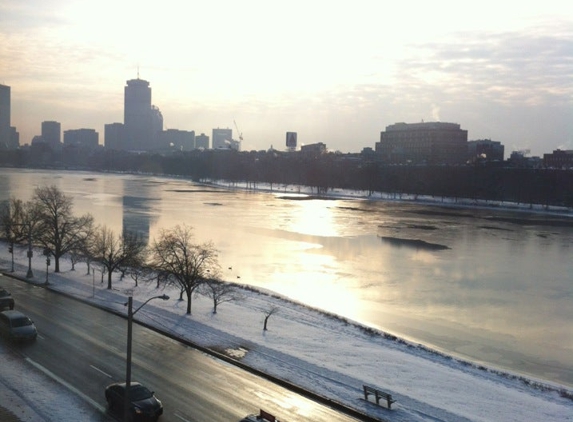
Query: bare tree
[134,264]
[268,313]
[20,222]
[75,256]
[186,263]
[59,230]
[219,292]
[112,251]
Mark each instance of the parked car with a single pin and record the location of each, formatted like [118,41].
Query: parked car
[6,299]
[261,417]
[144,406]
[17,326]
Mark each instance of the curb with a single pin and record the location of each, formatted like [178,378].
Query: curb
[283,383]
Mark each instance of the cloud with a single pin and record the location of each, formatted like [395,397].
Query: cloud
[533,68]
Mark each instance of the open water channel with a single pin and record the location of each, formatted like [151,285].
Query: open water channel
[490,286]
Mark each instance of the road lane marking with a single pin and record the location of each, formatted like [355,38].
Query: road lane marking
[99,370]
[181,417]
[67,385]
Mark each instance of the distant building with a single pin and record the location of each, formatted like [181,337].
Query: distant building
[38,140]
[143,122]
[520,159]
[423,143]
[485,150]
[222,138]
[291,141]
[5,110]
[181,140]
[14,137]
[559,159]
[87,138]
[114,136]
[156,125]
[314,150]
[51,133]
[202,141]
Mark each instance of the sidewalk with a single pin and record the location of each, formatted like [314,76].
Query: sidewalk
[11,403]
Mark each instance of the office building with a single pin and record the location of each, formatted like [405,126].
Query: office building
[143,122]
[51,133]
[202,141]
[137,115]
[313,150]
[423,143]
[222,138]
[180,140]
[485,150]
[87,138]
[559,159]
[5,131]
[114,136]
[14,138]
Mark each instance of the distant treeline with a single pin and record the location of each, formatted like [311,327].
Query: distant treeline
[547,187]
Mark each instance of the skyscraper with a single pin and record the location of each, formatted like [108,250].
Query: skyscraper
[5,131]
[222,138]
[51,132]
[142,120]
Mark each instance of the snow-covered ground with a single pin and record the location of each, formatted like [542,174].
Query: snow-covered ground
[325,354]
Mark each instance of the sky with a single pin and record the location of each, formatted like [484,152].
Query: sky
[427,386]
[334,72]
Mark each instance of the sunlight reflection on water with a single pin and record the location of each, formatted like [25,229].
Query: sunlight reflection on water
[501,293]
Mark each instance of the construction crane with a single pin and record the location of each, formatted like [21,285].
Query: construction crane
[239,132]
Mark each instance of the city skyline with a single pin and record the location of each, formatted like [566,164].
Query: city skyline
[334,73]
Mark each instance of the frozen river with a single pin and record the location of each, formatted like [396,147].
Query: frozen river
[489,286]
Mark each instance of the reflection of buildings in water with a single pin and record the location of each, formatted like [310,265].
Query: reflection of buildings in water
[138,209]
[136,216]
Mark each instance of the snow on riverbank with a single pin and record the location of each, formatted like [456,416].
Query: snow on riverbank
[325,354]
[404,197]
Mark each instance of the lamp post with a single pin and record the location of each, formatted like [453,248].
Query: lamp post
[30,274]
[11,250]
[130,314]
[47,253]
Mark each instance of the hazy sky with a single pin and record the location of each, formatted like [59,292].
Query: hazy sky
[334,71]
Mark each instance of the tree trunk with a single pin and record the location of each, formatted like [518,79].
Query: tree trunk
[266,319]
[109,280]
[189,294]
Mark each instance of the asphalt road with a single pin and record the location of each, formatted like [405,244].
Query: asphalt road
[86,347]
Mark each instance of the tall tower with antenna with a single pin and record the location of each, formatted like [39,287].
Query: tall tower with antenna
[137,115]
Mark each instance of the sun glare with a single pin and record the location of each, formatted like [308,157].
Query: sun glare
[312,217]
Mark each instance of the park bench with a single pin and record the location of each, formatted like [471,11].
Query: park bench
[378,395]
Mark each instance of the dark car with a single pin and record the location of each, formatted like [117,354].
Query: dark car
[6,299]
[17,326]
[144,406]
[261,417]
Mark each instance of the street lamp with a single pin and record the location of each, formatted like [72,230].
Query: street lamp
[30,274]
[130,314]
[11,250]
[30,253]
[47,253]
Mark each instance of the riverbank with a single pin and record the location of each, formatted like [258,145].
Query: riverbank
[295,192]
[326,354]
[465,301]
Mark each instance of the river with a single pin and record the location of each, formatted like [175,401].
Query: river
[489,286]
